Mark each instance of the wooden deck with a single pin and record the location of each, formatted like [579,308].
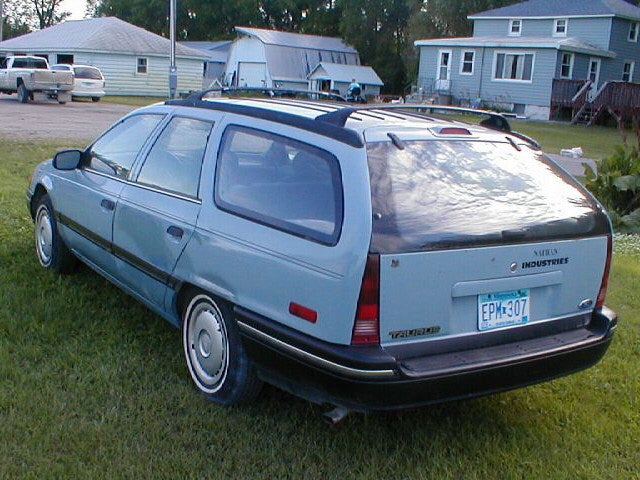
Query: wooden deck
[619,99]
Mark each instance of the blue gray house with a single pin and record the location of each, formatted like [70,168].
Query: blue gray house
[538,57]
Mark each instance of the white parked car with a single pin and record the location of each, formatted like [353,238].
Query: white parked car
[88,81]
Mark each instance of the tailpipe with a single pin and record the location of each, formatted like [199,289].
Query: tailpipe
[336,415]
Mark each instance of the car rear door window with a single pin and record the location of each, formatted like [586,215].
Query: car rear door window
[115,152]
[281,183]
[175,160]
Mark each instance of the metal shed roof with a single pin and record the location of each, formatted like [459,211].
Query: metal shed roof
[345,73]
[106,34]
[563,8]
[296,40]
[217,51]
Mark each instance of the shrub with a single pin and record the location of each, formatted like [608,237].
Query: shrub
[617,187]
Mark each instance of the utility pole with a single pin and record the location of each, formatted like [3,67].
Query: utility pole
[1,18]
[173,70]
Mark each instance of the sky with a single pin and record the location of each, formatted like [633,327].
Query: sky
[76,7]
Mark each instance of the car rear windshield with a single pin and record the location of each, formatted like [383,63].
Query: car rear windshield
[435,194]
[87,73]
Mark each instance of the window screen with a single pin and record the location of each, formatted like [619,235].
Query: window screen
[175,160]
[281,183]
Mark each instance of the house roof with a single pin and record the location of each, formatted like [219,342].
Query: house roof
[345,73]
[563,8]
[217,51]
[296,40]
[565,44]
[105,34]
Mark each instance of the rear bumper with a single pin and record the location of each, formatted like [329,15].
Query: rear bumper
[369,378]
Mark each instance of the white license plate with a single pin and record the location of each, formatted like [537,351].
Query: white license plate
[503,309]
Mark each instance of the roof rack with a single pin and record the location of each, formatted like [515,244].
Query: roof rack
[494,121]
[269,92]
[344,135]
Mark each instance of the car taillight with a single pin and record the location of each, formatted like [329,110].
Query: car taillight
[366,328]
[605,275]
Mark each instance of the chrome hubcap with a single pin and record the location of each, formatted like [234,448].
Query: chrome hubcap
[207,346]
[44,236]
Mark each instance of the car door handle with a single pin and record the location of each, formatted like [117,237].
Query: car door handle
[174,231]
[107,204]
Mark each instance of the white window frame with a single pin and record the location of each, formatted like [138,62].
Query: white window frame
[510,32]
[572,58]
[146,66]
[512,52]
[556,24]
[632,67]
[440,52]
[462,62]
[633,32]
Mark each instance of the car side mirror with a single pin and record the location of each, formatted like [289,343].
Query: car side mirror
[67,159]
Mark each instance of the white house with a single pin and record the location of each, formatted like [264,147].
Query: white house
[133,61]
[269,58]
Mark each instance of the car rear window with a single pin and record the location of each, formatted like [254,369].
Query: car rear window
[87,73]
[432,195]
[280,182]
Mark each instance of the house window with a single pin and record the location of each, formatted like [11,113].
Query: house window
[560,27]
[513,66]
[467,62]
[141,66]
[566,66]
[627,71]
[633,32]
[515,27]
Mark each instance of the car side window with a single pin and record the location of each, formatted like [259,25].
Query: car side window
[115,152]
[281,183]
[175,160]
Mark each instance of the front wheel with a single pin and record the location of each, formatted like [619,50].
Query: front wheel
[23,93]
[50,248]
[215,357]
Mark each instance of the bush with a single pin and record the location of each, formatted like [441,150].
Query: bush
[617,187]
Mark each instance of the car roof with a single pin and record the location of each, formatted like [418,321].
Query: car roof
[348,122]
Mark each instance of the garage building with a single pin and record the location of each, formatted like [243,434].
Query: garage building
[133,61]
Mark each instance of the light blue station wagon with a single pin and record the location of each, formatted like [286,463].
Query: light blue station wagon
[366,257]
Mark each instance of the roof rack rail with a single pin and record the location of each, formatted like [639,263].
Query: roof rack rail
[494,120]
[269,92]
[341,134]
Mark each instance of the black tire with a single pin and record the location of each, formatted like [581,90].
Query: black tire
[95,99]
[213,351]
[23,93]
[51,251]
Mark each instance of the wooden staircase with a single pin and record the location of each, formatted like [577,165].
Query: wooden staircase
[620,99]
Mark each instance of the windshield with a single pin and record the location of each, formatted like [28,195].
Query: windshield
[450,194]
[88,73]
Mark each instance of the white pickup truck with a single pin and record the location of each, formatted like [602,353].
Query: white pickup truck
[31,78]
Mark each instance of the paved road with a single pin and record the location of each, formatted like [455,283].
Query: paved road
[48,120]
[85,120]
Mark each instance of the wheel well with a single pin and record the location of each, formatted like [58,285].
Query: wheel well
[40,191]
[19,82]
[186,292]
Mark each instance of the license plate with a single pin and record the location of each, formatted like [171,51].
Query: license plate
[503,309]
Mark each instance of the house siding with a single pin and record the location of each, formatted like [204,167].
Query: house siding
[468,88]
[626,51]
[120,75]
[596,30]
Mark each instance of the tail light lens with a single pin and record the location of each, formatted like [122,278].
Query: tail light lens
[366,328]
[605,276]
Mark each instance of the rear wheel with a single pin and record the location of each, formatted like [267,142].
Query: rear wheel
[215,357]
[95,99]
[23,93]
[50,248]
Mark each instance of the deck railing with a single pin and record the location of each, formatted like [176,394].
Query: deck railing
[563,91]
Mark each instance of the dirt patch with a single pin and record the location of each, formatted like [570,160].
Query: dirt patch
[48,120]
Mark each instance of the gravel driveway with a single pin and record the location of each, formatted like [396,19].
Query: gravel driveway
[48,120]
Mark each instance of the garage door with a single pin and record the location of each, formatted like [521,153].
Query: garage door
[252,74]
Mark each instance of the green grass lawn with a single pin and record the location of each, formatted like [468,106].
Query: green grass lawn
[92,384]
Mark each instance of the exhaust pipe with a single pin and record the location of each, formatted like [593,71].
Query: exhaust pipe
[335,416]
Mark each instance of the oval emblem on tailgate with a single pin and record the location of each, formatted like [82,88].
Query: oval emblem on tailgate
[513,267]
